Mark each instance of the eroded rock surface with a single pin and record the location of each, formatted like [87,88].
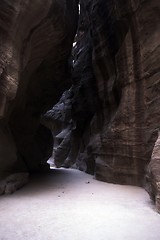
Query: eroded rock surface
[124,40]
[59,121]
[153,175]
[110,117]
[35,45]
[116,85]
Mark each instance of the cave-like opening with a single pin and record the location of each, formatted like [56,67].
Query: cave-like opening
[79,88]
[82,81]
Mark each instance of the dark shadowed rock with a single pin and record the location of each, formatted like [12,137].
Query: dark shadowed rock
[109,119]
[123,38]
[115,89]
[59,121]
[35,68]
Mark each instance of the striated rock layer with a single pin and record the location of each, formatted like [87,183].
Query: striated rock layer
[118,144]
[124,37]
[116,86]
[108,121]
[35,45]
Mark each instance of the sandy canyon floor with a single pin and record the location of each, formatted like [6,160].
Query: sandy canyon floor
[71,205]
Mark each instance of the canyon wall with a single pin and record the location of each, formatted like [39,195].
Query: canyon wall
[124,38]
[107,123]
[115,92]
[35,68]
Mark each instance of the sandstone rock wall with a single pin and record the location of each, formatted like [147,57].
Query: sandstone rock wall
[111,115]
[115,91]
[35,45]
[123,37]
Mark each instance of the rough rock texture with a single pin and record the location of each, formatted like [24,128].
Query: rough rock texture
[59,121]
[76,107]
[109,120]
[153,175]
[116,85]
[35,45]
[124,37]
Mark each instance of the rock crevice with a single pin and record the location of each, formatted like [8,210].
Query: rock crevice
[108,120]
[116,89]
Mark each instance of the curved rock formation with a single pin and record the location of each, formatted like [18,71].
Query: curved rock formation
[123,36]
[116,88]
[110,116]
[35,43]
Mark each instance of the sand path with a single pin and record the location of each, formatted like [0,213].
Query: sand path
[71,205]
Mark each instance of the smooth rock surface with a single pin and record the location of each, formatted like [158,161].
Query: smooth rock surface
[69,204]
[35,68]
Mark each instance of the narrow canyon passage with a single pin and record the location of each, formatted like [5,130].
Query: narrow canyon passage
[72,205]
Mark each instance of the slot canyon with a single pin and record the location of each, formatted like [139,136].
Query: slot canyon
[80,90]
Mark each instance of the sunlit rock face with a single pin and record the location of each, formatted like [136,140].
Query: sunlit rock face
[117,84]
[35,45]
